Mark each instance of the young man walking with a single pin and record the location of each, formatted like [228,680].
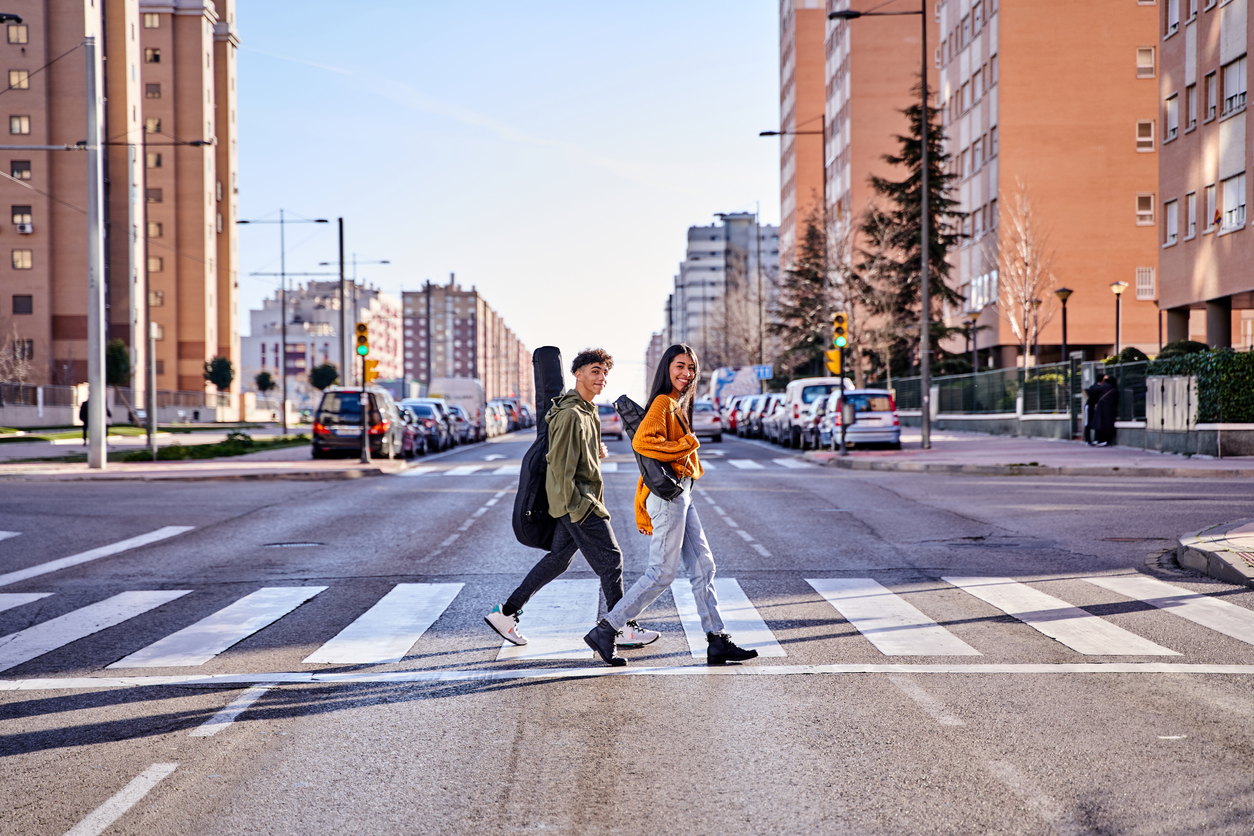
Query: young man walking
[575,492]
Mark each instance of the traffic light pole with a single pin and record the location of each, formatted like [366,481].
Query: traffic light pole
[365,416]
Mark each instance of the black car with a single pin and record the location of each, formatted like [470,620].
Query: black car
[428,415]
[337,423]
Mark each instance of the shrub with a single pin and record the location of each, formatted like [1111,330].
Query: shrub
[1180,348]
[1225,382]
[1131,354]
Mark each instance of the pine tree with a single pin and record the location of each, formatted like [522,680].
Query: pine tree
[802,322]
[894,265]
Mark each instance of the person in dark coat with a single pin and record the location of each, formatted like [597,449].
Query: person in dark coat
[1105,411]
[82,416]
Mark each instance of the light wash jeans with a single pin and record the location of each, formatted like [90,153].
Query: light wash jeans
[677,537]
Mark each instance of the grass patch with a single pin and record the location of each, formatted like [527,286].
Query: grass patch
[236,444]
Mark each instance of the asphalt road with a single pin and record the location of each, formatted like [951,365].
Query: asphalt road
[896,701]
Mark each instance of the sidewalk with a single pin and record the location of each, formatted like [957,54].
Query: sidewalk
[997,455]
[1224,551]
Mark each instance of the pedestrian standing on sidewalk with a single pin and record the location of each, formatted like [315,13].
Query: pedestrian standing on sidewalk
[82,416]
[575,488]
[665,434]
[1106,411]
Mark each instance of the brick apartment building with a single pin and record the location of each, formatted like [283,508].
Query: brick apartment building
[801,163]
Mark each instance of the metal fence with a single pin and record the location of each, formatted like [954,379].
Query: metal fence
[982,392]
[1130,378]
[28,394]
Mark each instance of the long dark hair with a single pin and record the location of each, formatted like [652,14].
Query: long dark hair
[662,380]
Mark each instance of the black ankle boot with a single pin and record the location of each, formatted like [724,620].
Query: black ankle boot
[723,650]
[602,640]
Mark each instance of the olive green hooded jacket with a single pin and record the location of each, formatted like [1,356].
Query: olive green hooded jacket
[574,484]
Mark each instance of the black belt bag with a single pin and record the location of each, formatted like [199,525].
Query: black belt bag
[659,477]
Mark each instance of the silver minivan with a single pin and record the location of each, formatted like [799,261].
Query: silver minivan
[876,419]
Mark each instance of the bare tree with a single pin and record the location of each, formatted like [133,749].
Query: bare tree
[15,363]
[1025,277]
[737,332]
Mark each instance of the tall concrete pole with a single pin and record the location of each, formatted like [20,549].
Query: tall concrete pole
[96,426]
[925,286]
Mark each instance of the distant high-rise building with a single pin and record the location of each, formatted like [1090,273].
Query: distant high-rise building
[801,100]
[453,332]
[653,356]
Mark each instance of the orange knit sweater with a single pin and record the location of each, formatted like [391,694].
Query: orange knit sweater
[662,435]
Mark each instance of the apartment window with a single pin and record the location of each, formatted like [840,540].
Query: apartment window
[1171,121]
[966,30]
[1234,85]
[153,160]
[23,349]
[977,85]
[19,169]
[152,125]
[992,70]
[1145,210]
[966,97]
[154,195]
[1190,99]
[19,124]
[992,214]
[152,21]
[1173,16]
[992,141]
[155,230]
[155,264]
[1192,9]
[1145,135]
[19,79]
[977,223]
[18,33]
[21,214]
[152,91]
[23,260]
[1212,208]
[156,299]
[159,335]
[23,304]
[1145,62]
[1234,202]
[1212,96]
[977,154]
[152,55]
[1190,215]
[1171,222]
[1145,284]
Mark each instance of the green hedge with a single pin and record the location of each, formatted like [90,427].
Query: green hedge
[1225,383]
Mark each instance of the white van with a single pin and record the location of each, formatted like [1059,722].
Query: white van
[798,395]
[466,392]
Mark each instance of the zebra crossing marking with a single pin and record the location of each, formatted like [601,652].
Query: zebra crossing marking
[1212,613]
[464,470]
[93,554]
[895,626]
[1079,630]
[47,636]
[5,535]
[385,632]
[9,600]
[740,619]
[421,470]
[609,467]
[557,617]
[796,464]
[508,470]
[745,464]
[200,642]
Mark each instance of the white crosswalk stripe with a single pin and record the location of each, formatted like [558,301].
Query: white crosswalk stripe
[5,535]
[740,619]
[9,600]
[796,464]
[745,464]
[606,467]
[465,470]
[93,554]
[612,467]
[1079,630]
[507,470]
[555,621]
[895,626]
[386,631]
[1212,613]
[49,635]
[200,642]
[421,470]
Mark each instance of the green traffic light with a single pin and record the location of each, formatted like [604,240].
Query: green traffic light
[363,350]
[841,342]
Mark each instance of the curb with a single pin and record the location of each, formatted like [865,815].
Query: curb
[292,475]
[1027,470]
[1207,551]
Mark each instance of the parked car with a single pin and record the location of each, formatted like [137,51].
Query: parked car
[337,423]
[729,412]
[416,433]
[510,410]
[811,419]
[744,409]
[466,392]
[467,430]
[437,429]
[611,423]
[798,395]
[528,417]
[706,421]
[774,423]
[762,411]
[876,419]
[493,420]
[445,417]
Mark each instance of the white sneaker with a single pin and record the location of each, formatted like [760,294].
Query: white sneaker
[633,635]
[506,625]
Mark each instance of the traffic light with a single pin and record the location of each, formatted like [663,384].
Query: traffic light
[833,361]
[363,339]
[372,370]
[840,329]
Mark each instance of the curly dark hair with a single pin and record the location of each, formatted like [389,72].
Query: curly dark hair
[589,356]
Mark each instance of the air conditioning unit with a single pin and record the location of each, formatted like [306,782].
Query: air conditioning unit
[25,229]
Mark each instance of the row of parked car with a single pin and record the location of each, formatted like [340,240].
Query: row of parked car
[705,421]
[809,413]
[410,427]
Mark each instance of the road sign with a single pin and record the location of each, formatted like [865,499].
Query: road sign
[764,372]
[372,370]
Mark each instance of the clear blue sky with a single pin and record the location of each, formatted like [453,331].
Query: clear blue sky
[550,153]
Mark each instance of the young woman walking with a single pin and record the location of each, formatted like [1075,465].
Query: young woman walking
[665,434]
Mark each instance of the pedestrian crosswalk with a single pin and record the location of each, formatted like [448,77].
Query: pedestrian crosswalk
[893,622]
[627,467]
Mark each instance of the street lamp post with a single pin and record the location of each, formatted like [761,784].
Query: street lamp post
[282,222]
[925,237]
[1063,294]
[972,318]
[1118,288]
[1036,332]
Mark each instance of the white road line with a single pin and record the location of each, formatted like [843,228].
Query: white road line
[5,535]
[1212,613]
[609,467]
[422,470]
[1072,626]
[200,642]
[448,541]
[98,820]
[745,464]
[94,554]
[931,706]
[792,463]
[744,535]
[895,626]
[479,512]
[57,632]
[732,523]
[555,621]
[508,470]
[740,619]
[761,549]
[708,466]
[9,600]
[385,632]
[227,715]
[467,524]
[96,683]
[464,470]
